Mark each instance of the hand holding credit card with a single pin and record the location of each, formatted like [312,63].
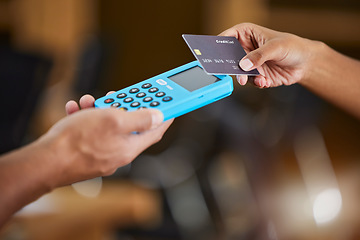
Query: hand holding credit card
[218,54]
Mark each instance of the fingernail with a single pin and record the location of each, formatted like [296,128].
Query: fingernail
[268,83]
[263,83]
[246,64]
[157,118]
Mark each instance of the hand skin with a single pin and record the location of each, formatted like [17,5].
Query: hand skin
[86,144]
[285,59]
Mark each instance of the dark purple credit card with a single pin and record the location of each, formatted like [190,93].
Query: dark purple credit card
[218,55]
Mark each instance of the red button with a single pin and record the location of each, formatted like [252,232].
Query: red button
[109,100]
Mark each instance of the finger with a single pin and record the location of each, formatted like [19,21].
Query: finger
[71,107]
[145,139]
[260,81]
[258,57]
[231,32]
[87,101]
[268,83]
[110,93]
[242,79]
[140,121]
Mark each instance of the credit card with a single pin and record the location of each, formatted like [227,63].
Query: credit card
[218,54]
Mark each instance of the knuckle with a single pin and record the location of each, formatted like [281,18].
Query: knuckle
[111,119]
[142,120]
[158,138]
[244,24]
[256,56]
[106,168]
[127,158]
[109,172]
[145,118]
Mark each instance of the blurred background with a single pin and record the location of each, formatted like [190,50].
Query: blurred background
[261,164]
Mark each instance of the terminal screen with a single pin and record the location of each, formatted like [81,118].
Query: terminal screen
[193,78]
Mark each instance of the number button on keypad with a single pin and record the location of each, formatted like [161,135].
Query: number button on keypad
[121,95]
[160,94]
[148,99]
[128,99]
[135,104]
[115,105]
[146,85]
[134,90]
[154,104]
[154,89]
[141,94]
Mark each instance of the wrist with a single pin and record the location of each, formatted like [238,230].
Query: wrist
[45,163]
[314,64]
[56,155]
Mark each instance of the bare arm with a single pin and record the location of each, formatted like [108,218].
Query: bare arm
[334,77]
[285,59]
[25,175]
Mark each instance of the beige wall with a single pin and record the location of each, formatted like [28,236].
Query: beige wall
[223,14]
[55,27]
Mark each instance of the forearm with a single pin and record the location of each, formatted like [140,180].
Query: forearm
[334,77]
[25,175]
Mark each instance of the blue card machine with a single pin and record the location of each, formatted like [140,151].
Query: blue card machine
[174,93]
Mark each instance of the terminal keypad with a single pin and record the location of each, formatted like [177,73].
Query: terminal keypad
[138,98]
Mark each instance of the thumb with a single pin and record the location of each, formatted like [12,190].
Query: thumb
[141,120]
[259,56]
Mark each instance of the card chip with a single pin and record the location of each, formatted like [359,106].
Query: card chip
[197,51]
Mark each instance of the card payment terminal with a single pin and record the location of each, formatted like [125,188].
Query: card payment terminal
[174,92]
